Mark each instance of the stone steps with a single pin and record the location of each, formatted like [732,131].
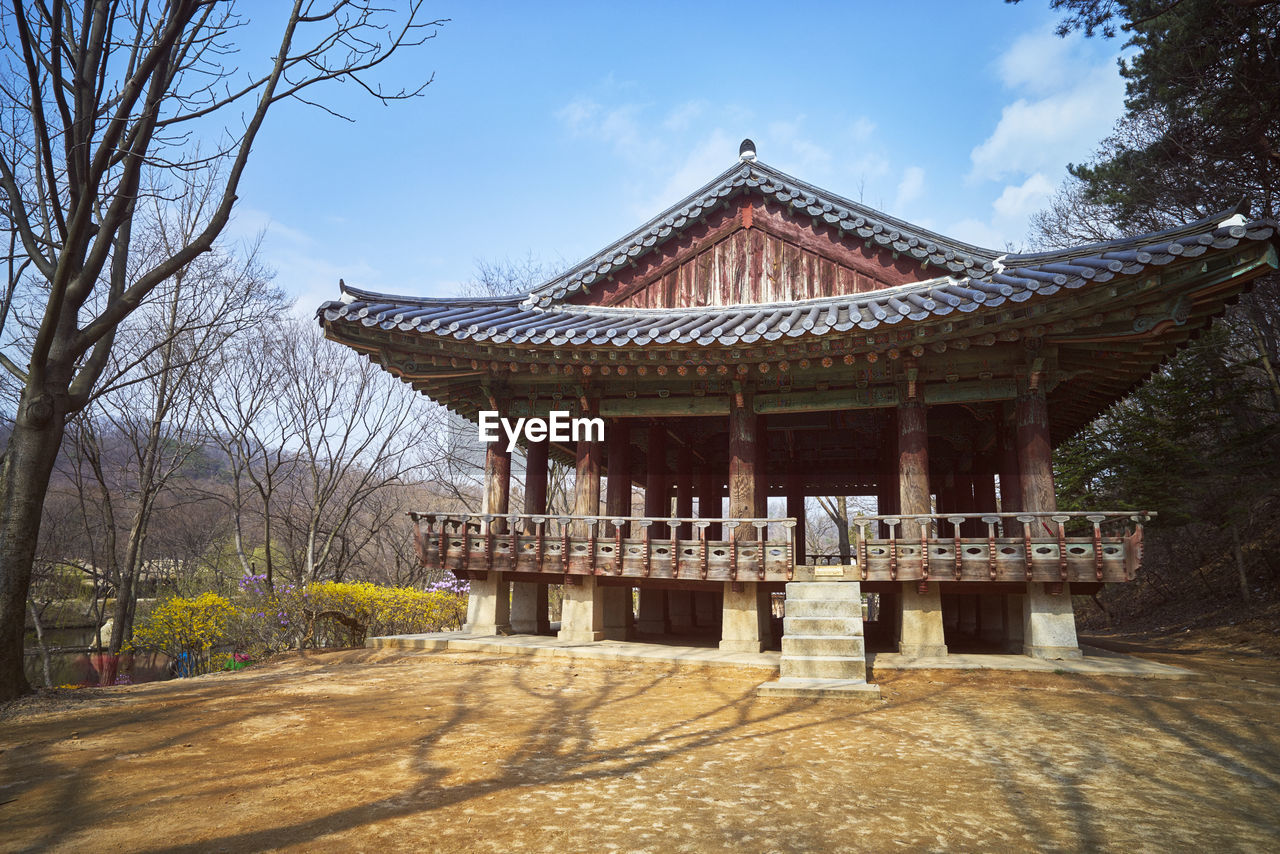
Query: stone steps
[822,641]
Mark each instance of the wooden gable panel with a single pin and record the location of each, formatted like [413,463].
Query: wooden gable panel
[754,252]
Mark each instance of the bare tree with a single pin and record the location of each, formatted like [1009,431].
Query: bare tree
[100,103]
[253,432]
[358,433]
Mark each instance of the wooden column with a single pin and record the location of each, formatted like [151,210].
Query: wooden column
[709,500]
[983,481]
[1049,626]
[617,500]
[1035,455]
[529,613]
[657,500]
[920,631]
[760,469]
[743,462]
[587,614]
[795,508]
[745,615]
[497,483]
[684,488]
[652,616]
[913,465]
[984,489]
[489,601]
[887,502]
[535,478]
[1010,476]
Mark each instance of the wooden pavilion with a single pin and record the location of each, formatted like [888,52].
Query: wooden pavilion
[766,338]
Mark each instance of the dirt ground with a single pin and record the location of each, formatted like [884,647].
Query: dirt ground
[398,751]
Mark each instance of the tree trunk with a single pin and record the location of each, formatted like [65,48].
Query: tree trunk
[842,527]
[24,480]
[44,648]
[1238,551]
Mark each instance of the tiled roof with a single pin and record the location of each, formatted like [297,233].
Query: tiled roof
[806,199]
[538,318]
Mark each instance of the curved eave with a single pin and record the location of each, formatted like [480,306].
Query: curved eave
[515,321]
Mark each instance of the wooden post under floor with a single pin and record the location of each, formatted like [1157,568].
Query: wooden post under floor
[529,613]
[489,601]
[920,631]
[1049,623]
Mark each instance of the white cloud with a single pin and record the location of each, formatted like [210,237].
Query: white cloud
[304,268]
[910,188]
[1040,62]
[706,159]
[977,232]
[1022,200]
[619,126]
[1046,133]
[683,115]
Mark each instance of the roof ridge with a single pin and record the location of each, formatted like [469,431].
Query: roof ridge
[890,232]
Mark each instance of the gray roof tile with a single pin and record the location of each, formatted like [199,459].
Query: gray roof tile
[988,281]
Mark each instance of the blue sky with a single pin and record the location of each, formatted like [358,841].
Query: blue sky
[553,129]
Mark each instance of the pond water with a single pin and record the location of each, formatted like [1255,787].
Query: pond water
[72,661]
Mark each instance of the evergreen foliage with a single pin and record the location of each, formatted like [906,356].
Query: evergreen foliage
[1199,442]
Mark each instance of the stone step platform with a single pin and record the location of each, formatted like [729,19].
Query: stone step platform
[823,651]
[820,689]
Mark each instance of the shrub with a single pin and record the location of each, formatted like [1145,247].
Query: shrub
[186,630]
[331,613]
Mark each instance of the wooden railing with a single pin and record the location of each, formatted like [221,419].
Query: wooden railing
[1016,546]
[632,546]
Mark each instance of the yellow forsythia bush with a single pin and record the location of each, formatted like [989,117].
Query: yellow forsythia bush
[370,609]
[186,630]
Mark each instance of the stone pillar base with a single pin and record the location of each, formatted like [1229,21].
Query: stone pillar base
[652,617]
[582,612]
[529,608]
[489,606]
[616,604]
[486,629]
[575,636]
[1052,652]
[920,629]
[1048,623]
[741,646]
[916,650]
[744,625]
